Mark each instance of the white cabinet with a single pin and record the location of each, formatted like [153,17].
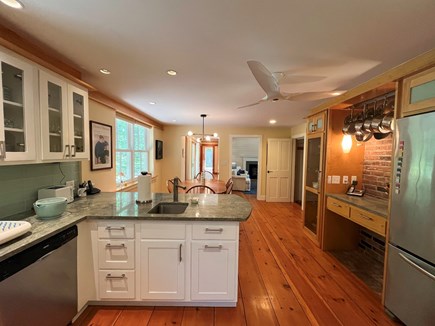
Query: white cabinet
[115,246]
[162,269]
[17,114]
[214,259]
[64,119]
[163,260]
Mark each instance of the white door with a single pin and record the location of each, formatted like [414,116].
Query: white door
[278,170]
[214,270]
[162,269]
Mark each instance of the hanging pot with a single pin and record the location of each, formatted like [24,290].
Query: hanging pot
[387,123]
[380,136]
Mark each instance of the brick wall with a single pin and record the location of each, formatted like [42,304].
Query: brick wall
[372,245]
[377,166]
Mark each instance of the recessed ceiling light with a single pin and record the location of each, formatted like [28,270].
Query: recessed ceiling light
[152,103]
[105,71]
[337,93]
[174,120]
[13,3]
[171,72]
[272,122]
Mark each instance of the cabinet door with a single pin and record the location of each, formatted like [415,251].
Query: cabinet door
[214,270]
[162,269]
[316,123]
[17,119]
[419,93]
[54,116]
[78,122]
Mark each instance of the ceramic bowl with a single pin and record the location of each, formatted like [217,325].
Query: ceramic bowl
[49,208]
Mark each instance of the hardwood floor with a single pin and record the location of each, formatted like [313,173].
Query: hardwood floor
[284,279]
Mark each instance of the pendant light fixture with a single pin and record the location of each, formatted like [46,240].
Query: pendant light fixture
[203,136]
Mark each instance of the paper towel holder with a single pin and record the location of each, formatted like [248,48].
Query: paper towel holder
[139,202]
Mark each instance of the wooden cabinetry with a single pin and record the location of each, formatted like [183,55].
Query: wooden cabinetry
[214,262]
[316,123]
[116,260]
[418,93]
[64,119]
[17,115]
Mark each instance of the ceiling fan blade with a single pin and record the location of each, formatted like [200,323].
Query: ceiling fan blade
[264,77]
[311,96]
[249,105]
[285,78]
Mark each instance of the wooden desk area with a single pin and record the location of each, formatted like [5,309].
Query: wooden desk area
[345,215]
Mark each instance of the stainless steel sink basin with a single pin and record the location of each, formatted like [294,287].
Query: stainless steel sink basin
[168,208]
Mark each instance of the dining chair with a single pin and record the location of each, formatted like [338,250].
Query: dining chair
[200,189]
[229,188]
[207,174]
[170,185]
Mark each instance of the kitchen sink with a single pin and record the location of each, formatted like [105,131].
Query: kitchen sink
[168,208]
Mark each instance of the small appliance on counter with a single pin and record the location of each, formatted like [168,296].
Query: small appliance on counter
[57,191]
[352,191]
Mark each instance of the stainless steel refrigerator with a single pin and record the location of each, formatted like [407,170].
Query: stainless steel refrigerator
[410,278]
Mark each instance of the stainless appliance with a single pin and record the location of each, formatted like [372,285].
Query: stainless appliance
[410,278]
[57,191]
[39,285]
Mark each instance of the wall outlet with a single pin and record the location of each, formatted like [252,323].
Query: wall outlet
[329,179]
[345,179]
[335,179]
[70,183]
[353,178]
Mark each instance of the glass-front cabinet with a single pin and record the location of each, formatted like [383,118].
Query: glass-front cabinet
[17,119]
[64,119]
[313,185]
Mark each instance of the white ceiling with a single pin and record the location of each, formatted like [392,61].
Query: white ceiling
[338,43]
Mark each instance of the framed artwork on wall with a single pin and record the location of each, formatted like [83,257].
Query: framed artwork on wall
[101,146]
[159,149]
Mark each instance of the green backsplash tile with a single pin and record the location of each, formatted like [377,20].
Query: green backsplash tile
[20,183]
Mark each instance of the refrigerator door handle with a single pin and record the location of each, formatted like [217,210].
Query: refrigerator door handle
[421,270]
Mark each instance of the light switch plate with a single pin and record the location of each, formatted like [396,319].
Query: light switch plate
[345,179]
[329,179]
[335,179]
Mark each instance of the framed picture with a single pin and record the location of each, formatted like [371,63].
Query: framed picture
[101,146]
[159,149]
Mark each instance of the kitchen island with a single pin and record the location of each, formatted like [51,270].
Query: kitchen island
[126,254]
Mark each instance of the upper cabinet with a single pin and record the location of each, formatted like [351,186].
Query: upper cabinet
[17,116]
[418,93]
[64,119]
[316,123]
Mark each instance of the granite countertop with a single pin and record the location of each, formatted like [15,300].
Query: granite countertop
[122,206]
[371,204]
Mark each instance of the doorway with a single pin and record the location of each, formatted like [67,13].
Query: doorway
[299,170]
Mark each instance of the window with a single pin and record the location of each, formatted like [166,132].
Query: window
[132,150]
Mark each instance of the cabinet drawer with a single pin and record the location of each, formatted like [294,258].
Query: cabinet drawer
[210,231]
[163,230]
[116,284]
[116,254]
[338,207]
[368,220]
[115,230]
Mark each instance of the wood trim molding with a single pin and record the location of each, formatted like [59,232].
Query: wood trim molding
[124,109]
[30,49]
[408,68]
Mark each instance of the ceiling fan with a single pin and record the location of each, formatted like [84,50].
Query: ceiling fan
[270,84]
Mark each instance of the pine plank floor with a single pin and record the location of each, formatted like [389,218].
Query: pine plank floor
[284,279]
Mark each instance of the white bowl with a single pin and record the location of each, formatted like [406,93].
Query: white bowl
[52,207]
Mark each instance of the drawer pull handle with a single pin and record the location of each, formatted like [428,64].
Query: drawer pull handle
[214,229]
[213,247]
[122,245]
[366,217]
[112,228]
[336,205]
[115,277]
[421,270]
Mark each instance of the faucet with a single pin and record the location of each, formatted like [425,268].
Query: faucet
[176,186]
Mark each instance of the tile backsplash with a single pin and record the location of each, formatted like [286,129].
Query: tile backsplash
[20,183]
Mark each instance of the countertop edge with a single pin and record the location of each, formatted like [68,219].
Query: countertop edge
[363,203]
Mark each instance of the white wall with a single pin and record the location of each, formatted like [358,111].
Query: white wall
[244,147]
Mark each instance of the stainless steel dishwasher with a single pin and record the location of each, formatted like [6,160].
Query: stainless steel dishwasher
[38,286]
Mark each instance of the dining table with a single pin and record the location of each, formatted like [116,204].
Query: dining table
[219,186]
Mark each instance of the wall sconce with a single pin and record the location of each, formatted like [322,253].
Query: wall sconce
[346,143]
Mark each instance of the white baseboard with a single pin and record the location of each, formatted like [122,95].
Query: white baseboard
[261,197]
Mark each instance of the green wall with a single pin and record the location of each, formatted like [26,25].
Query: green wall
[19,184]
